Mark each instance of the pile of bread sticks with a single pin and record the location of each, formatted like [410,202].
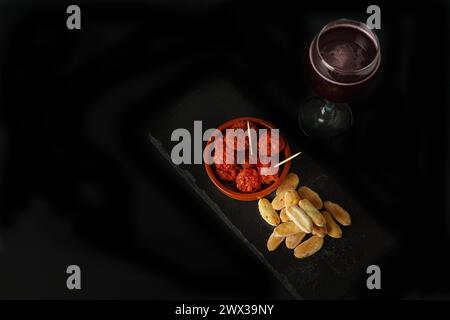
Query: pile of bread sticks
[300,218]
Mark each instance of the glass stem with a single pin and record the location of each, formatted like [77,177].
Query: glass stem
[327,112]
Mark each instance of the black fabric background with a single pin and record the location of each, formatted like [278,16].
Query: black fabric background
[73,190]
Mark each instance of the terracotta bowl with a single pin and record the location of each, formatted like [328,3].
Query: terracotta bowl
[229,188]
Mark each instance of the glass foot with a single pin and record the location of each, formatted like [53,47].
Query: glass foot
[321,119]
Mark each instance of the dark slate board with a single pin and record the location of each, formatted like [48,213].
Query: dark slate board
[328,274]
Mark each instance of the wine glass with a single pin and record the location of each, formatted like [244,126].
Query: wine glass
[343,59]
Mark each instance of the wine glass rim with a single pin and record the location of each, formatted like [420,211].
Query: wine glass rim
[375,69]
[352,23]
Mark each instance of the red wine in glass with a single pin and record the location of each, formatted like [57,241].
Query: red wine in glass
[343,59]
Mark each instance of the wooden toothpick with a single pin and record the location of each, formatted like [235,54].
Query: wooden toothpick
[249,137]
[286,160]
